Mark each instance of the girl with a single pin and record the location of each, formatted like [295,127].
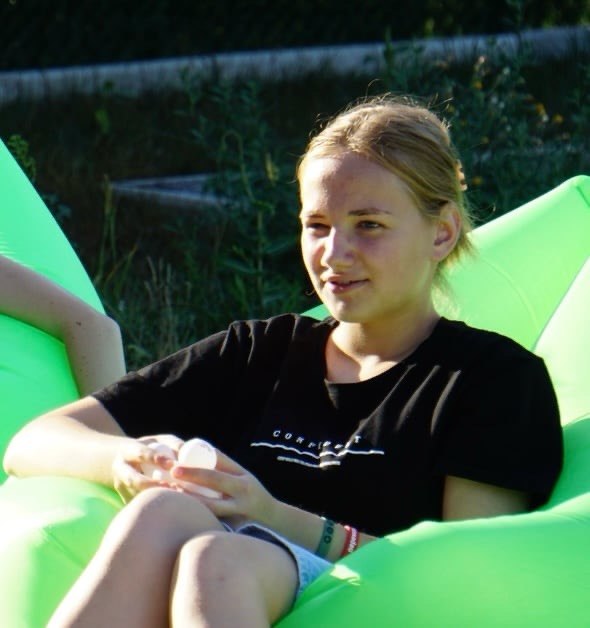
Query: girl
[380,416]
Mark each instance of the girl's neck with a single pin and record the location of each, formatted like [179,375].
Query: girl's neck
[356,352]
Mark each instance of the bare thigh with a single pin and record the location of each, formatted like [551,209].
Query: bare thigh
[230,578]
[127,583]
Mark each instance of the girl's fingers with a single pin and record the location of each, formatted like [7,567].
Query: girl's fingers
[227,465]
[226,478]
[170,440]
[210,478]
[129,471]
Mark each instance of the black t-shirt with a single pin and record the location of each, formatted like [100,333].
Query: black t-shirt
[374,454]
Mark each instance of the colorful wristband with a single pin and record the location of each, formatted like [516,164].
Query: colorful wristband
[351,541]
[326,538]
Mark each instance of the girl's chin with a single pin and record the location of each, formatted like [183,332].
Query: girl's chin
[345,313]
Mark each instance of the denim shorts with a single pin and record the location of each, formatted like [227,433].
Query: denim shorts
[309,566]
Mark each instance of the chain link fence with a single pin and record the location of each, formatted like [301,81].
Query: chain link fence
[40,34]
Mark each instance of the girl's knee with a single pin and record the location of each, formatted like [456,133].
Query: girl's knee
[215,558]
[218,562]
[222,555]
[210,552]
[159,513]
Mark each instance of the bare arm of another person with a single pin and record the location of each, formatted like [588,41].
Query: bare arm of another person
[92,340]
[467,499]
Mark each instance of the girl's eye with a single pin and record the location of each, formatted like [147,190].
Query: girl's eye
[316,227]
[369,225]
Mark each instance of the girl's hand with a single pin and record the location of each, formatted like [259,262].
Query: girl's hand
[135,458]
[169,440]
[243,496]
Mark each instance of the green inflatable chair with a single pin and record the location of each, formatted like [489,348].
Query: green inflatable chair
[34,370]
[530,280]
[49,527]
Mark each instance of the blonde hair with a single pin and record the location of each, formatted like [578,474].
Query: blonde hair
[410,141]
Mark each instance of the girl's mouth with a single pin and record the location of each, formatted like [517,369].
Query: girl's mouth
[338,287]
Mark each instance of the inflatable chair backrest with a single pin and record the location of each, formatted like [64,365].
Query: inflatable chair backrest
[525,263]
[565,347]
[34,371]
[530,280]
[30,235]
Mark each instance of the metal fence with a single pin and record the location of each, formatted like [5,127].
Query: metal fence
[42,33]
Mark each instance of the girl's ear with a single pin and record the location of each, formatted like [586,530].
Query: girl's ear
[448,229]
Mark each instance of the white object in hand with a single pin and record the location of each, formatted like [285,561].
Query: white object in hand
[154,471]
[198,453]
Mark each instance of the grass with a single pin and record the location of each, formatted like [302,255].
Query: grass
[170,277]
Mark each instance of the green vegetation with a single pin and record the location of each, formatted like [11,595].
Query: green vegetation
[172,276]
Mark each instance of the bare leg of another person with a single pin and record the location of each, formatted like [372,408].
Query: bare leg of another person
[226,580]
[127,583]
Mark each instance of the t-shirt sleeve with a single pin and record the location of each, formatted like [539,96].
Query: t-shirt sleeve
[214,389]
[179,393]
[505,428]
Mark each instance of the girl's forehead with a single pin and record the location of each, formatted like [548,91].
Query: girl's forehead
[352,166]
[346,172]
[351,183]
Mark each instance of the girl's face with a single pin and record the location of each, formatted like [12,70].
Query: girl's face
[369,252]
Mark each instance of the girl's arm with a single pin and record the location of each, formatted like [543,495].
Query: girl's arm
[246,499]
[82,440]
[92,340]
[79,440]
[466,499]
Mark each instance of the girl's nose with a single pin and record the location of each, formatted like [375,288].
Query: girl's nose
[338,251]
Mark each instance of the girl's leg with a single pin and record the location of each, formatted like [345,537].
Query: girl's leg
[224,579]
[127,583]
